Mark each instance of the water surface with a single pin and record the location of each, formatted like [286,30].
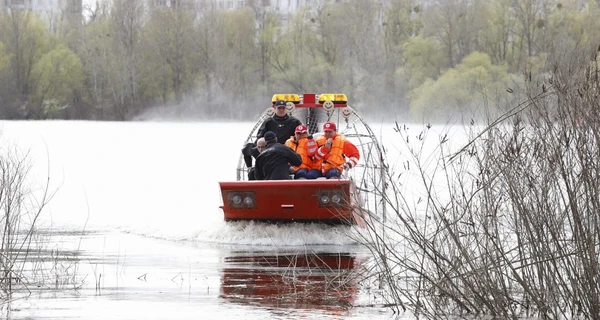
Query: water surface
[137,211]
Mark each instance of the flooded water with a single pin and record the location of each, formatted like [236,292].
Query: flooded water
[130,276]
[135,232]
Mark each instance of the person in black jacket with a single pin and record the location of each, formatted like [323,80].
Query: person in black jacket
[281,123]
[275,161]
[250,152]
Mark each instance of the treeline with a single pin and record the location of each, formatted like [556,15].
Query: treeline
[425,60]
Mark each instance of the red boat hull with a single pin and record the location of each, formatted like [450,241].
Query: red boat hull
[328,201]
[266,280]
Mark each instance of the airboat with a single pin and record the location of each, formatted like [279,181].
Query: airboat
[349,200]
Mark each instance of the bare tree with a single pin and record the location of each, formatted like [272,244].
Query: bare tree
[456,25]
[205,37]
[22,261]
[25,40]
[169,58]
[128,21]
[507,226]
[532,19]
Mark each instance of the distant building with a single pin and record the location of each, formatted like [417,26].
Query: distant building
[280,6]
[47,6]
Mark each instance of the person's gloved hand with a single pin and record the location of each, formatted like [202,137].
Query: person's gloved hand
[329,143]
[348,165]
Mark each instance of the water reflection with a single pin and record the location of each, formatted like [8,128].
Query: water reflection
[325,281]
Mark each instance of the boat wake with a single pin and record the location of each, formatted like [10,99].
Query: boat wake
[277,235]
[253,233]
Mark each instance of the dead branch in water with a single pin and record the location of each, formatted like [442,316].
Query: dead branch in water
[508,226]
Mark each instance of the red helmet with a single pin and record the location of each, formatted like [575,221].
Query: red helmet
[329,126]
[301,129]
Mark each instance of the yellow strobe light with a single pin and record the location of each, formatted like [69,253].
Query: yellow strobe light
[287,97]
[333,97]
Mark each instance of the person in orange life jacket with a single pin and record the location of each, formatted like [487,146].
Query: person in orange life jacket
[260,146]
[336,152]
[280,123]
[305,146]
[274,162]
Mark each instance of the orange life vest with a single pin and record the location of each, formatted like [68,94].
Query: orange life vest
[335,157]
[301,147]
